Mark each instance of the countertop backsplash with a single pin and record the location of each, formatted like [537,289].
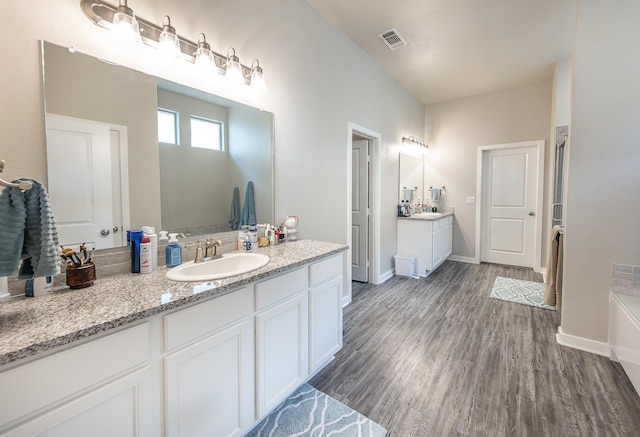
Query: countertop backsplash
[117,261]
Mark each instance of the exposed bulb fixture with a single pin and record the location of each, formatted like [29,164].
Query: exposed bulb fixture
[163,37]
[204,57]
[124,24]
[256,78]
[414,141]
[233,70]
[168,42]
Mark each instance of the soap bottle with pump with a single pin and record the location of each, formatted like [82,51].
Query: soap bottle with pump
[173,252]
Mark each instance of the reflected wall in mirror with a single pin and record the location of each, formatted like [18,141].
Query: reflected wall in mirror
[107,170]
[411,180]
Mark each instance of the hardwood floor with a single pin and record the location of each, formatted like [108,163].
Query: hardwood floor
[438,357]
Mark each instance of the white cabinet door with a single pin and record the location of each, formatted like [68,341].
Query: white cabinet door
[438,247]
[121,408]
[325,322]
[448,241]
[209,385]
[282,350]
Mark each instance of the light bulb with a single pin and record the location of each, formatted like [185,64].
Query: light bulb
[168,42]
[233,73]
[124,25]
[204,57]
[257,83]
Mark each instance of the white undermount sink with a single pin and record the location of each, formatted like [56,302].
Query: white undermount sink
[230,264]
[428,215]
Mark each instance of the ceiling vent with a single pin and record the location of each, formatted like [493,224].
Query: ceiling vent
[393,39]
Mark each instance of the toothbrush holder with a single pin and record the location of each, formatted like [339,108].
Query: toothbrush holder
[81,277]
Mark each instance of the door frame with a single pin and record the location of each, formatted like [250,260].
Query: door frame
[482,153]
[374,205]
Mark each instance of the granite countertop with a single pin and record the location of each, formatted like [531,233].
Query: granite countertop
[428,216]
[32,325]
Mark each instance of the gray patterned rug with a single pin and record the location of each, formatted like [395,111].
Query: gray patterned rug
[524,292]
[311,413]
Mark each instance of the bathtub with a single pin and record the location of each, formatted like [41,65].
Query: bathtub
[624,334]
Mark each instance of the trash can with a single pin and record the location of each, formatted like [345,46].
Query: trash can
[405,265]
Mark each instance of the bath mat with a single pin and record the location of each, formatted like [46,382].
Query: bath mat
[524,292]
[311,413]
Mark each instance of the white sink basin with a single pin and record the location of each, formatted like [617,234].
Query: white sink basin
[428,215]
[230,264]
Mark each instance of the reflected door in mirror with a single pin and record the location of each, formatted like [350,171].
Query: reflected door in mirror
[80,181]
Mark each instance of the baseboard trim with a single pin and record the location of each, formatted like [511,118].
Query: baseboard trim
[462,259]
[386,276]
[583,344]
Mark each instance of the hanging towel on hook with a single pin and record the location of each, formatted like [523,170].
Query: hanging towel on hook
[234,213]
[28,233]
[249,208]
[435,194]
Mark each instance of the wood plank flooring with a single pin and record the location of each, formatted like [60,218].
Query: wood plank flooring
[438,357]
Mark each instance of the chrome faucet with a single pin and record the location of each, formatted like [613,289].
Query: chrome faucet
[217,250]
[210,250]
[199,257]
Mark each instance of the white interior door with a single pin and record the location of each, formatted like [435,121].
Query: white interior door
[360,211]
[79,176]
[509,202]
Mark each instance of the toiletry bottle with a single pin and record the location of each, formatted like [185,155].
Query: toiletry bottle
[150,232]
[136,237]
[38,286]
[173,251]
[146,257]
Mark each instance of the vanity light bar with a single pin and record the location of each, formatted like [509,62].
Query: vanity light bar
[101,13]
[412,140]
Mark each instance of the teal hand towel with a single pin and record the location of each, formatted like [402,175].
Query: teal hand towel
[249,208]
[234,213]
[28,227]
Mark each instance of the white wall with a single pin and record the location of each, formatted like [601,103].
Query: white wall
[603,206]
[456,128]
[319,81]
[562,92]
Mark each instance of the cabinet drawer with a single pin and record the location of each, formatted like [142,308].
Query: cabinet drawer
[325,269]
[44,381]
[281,287]
[186,325]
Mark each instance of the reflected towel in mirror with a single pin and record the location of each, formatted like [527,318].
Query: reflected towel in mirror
[234,213]
[249,208]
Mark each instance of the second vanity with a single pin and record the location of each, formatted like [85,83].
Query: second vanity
[428,237]
[139,355]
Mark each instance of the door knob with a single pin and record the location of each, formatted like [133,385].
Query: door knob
[115,229]
[105,232]
[531,213]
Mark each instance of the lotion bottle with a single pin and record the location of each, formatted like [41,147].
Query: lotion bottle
[146,257]
[150,232]
[173,252]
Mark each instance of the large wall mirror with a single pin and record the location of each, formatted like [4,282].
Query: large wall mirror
[411,180]
[107,171]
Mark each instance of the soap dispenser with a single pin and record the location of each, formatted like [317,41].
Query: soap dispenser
[173,252]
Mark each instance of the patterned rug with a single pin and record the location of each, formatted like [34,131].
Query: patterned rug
[311,413]
[524,292]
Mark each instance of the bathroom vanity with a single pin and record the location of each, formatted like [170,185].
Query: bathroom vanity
[139,355]
[428,237]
